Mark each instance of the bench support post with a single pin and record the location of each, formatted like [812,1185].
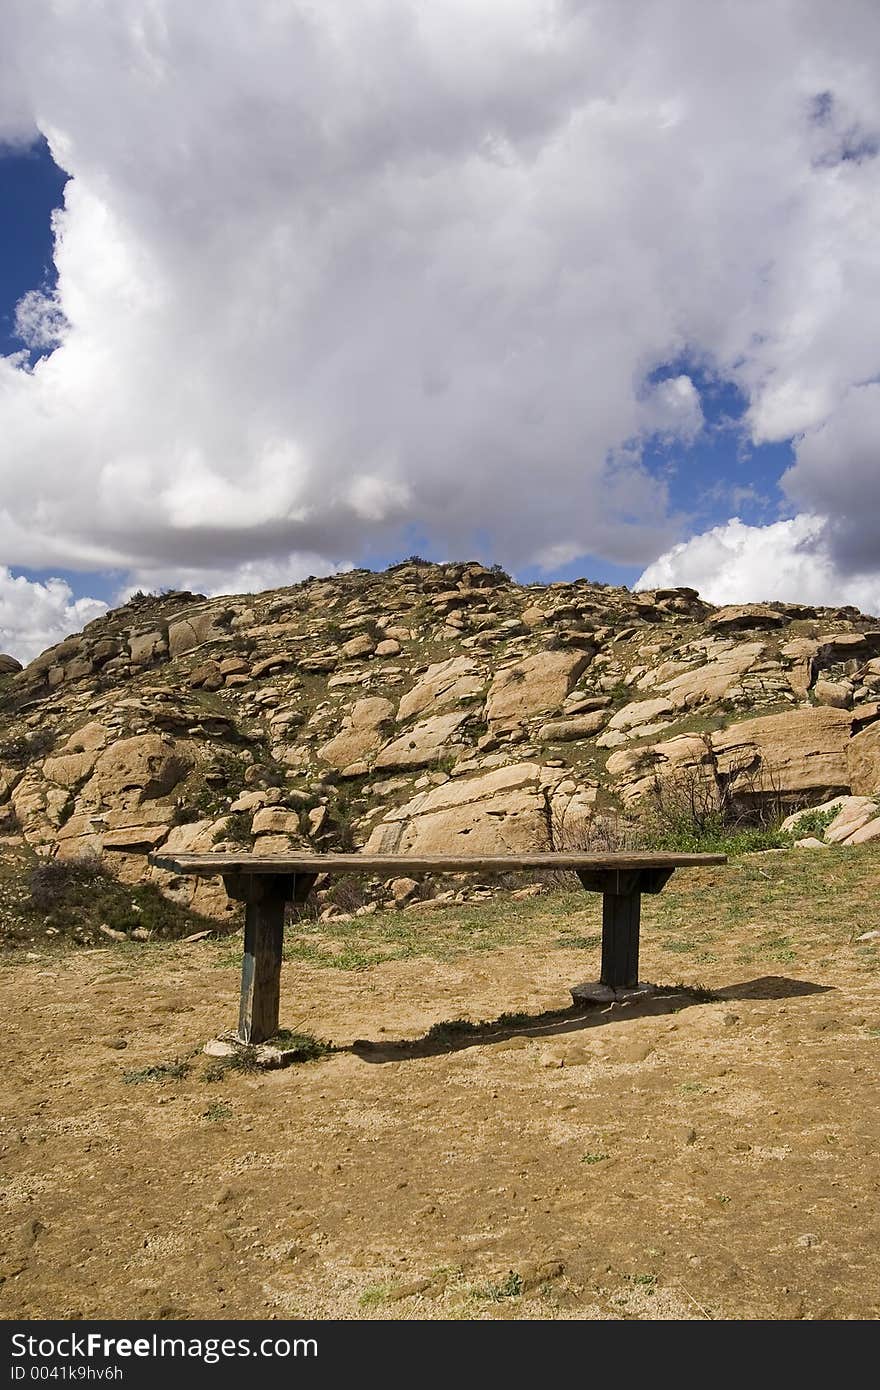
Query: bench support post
[621,891]
[265,897]
[261,969]
[621,916]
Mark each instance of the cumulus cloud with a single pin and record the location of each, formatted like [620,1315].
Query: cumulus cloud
[331,274]
[33,616]
[791,560]
[252,577]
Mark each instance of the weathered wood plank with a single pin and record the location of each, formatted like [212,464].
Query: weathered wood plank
[390,864]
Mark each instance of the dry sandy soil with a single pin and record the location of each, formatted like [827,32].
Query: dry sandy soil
[684,1158]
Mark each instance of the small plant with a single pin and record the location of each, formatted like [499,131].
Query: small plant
[579,943]
[304,1047]
[594,1158]
[347,893]
[217,1111]
[162,1071]
[18,752]
[813,822]
[509,1287]
[690,812]
[237,830]
[52,880]
[374,1295]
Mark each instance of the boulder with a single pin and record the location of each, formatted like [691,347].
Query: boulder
[138,769]
[742,616]
[854,812]
[786,755]
[9,665]
[837,694]
[800,653]
[577,727]
[536,685]
[358,647]
[196,628]
[276,820]
[504,811]
[640,712]
[870,831]
[146,647]
[87,739]
[863,761]
[403,889]
[69,769]
[206,676]
[55,657]
[423,744]
[685,760]
[445,683]
[714,679]
[360,733]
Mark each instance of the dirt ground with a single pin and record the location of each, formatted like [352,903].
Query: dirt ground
[681,1158]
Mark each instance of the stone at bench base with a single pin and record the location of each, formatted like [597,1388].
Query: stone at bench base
[594,992]
[266,1055]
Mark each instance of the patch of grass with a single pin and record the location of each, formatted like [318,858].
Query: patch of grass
[161,1071]
[580,943]
[217,1112]
[453,1028]
[715,837]
[374,1295]
[699,993]
[594,1158]
[348,958]
[509,1287]
[304,1046]
[75,897]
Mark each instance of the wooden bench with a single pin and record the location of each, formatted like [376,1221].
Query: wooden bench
[267,884]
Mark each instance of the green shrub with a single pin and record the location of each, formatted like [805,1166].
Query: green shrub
[813,822]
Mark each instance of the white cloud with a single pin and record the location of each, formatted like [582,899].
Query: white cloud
[250,577]
[331,274]
[35,615]
[791,560]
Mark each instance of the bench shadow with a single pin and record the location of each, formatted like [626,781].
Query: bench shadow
[457,1034]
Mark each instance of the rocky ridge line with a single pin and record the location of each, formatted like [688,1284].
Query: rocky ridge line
[424,709]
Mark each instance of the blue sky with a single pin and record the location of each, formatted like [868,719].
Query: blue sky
[31,186]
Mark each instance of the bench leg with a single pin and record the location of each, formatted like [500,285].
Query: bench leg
[621,916]
[261,969]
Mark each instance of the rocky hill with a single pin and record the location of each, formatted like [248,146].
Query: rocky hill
[432,708]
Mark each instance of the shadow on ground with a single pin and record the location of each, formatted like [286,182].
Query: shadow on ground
[456,1034]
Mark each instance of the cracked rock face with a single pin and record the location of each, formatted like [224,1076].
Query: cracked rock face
[427,709]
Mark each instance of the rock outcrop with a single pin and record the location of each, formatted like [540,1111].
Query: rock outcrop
[427,708]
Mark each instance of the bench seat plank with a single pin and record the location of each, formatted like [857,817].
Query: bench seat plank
[389,864]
